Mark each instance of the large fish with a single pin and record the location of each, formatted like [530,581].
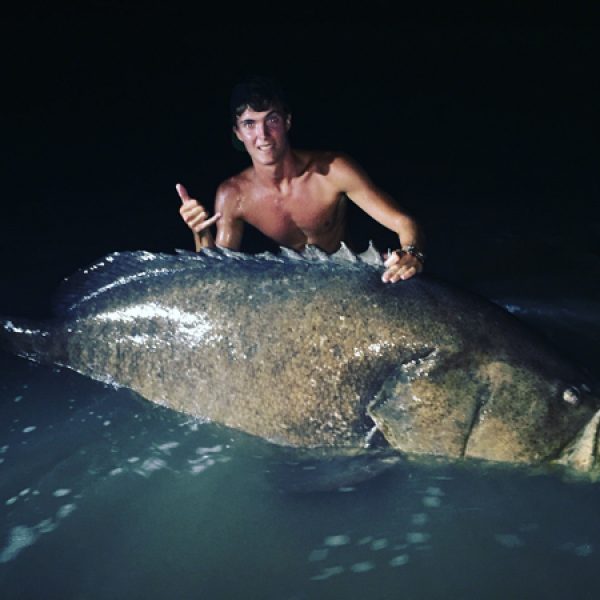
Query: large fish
[313,351]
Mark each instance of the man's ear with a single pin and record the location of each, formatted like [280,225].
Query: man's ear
[236,140]
[288,122]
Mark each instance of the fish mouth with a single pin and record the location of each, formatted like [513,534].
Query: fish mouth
[417,365]
[583,453]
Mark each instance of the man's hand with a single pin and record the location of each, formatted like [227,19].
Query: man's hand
[401,265]
[193,213]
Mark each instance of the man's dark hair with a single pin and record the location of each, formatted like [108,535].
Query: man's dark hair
[258,93]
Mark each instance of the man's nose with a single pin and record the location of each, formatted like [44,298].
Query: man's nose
[262,129]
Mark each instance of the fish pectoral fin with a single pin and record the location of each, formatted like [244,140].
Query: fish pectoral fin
[582,453]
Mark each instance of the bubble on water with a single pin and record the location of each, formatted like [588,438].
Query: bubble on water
[347,489]
[116,471]
[18,398]
[1,460]
[65,510]
[399,561]
[328,572]
[582,550]
[168,446]
[432,501]
[419,519]
[196,469]
[19,538]
[417,537]
[11,500]
[151,465]
[202,463]
[336,540]
[362,567]
[434,491]
[212,450]
[24,492]
[61,492]
[379,544]
[509,540]
[318,554]
[29,429]
[46,526]
[365,540]
[3,449]
[133,459]
[106,423]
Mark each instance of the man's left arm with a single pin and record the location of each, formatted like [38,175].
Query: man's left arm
[354,181]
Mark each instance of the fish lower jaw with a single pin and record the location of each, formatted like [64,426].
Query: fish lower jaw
[583,454]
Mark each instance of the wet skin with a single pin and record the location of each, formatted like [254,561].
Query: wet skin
[296,197]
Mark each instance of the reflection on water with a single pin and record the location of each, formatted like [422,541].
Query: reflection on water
[104,495]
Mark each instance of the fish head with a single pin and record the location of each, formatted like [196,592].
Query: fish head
[486,406]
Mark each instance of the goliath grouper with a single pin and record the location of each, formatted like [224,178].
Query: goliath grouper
[314,351]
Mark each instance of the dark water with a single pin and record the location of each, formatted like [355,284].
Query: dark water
[481,128]
[106,496]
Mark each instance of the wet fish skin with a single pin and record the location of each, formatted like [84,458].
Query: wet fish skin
[315,351]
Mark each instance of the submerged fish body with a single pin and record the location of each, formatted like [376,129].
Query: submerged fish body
[314,351]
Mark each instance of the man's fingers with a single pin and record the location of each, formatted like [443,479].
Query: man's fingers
[396,273]
[183,193]
[206,223]
[391,259]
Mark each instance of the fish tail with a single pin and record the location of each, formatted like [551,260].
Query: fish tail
[24,338]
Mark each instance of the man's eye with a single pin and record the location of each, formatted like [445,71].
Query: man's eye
[248,124]
[274,119]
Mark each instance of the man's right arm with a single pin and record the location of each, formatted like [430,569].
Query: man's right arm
[229,225]
[196,218]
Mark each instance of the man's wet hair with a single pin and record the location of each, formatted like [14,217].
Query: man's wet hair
[258,93]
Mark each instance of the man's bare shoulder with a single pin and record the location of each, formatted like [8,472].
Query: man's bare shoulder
[230,192]
[324,161]
[338,168]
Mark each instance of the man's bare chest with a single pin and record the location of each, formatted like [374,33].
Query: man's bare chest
[308,208]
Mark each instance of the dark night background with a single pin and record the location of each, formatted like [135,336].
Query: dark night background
[478,122]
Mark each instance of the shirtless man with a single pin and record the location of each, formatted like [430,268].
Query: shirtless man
[294,197]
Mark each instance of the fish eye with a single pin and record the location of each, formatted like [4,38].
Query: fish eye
[571,396]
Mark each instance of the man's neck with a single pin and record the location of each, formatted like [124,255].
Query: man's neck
[280,173]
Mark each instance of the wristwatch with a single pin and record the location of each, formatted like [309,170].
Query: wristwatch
[413,251]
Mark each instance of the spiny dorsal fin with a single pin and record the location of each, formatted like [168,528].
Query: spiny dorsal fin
[372,256]
[314,253]
[120,268]
[113,270]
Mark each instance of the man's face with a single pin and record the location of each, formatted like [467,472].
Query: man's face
[264,134]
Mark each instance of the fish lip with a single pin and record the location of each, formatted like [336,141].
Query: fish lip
[418,364]
[583,451]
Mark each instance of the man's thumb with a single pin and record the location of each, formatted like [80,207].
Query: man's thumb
[183,194]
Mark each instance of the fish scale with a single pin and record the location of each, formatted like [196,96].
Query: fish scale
[315,351]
